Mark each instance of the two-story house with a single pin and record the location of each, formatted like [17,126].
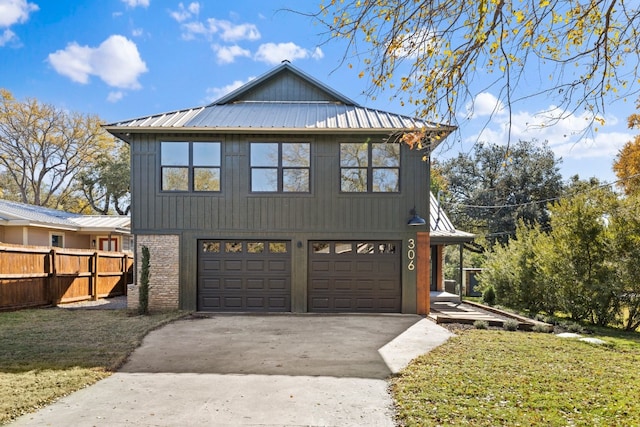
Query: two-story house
[283,195]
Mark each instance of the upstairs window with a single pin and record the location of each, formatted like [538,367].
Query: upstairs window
[190,166]
[369,167]
[280,167]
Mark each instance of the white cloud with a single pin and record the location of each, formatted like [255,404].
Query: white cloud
[192,29]
[216,93]
[273,53]
[135,3]
[137,32]
[225,30]
[116,96]
[183,13]
[230,32]
[484,105]
[568,135]
[15,12]
[228,54]
[6,37]
[116,61]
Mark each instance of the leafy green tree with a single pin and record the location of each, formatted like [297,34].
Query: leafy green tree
[625,229]
[582,255]
[106,186]
[495,186]
[42,149]
[433,53]
[514,271]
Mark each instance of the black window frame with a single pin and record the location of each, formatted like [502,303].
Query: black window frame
[280,168]
[191,167]
[370,168]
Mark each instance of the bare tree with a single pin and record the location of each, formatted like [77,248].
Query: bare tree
[43,148]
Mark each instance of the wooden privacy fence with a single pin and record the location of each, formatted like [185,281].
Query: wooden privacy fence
[36,276]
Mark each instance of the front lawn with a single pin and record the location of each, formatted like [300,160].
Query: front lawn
[48,353]
[499,378]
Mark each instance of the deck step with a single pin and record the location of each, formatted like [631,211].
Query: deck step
[444,297]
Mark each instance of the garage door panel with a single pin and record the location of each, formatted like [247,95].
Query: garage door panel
[365,304]
[232,284]
[211,284]
[387,303]
[343,303]
[277,284]
[386,285]
[256,284]
[318,304]
[320,266]
[365,267]
[255,265]
[319,284]
[387,267]
[233,265]
[210,265]
[365,285]
[276,303]
[239,275]
[255,302]
[277,266]
[232,303]
[360,276]
[342,284]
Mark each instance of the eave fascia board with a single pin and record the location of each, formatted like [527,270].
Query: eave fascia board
[25,223]
[126,131]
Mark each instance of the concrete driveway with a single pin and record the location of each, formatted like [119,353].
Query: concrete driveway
[254,370]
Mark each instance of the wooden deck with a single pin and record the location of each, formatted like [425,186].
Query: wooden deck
[447,308]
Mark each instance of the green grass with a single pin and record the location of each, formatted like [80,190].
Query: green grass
[48,353]
[499,378]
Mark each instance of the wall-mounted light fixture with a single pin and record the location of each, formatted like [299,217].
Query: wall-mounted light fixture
[416,219]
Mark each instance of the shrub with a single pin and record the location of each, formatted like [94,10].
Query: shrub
[575,328]
[489,296]
[545,329]
[481,324]
[143,297]
[510,325]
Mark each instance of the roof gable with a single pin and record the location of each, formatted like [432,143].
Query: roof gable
[284,100]
[284,83]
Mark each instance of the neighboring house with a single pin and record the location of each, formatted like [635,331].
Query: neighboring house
[283,195]
[23,224]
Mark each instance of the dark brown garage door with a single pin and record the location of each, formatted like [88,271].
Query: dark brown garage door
[244,275]
[359,276]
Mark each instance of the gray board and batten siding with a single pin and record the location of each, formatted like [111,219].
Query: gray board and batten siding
[284,105]
[323,214]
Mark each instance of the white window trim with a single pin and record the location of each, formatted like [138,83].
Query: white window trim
[57,233]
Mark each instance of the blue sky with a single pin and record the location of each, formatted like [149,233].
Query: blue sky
[121,59]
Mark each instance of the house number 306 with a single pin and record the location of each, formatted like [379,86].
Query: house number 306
[411,255]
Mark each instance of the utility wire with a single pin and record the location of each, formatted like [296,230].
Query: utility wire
[553,199]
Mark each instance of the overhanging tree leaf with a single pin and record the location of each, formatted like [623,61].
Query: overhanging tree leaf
[434,52]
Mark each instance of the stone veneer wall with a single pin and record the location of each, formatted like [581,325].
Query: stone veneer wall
[164,271]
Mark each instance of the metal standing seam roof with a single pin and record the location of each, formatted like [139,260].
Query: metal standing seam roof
[279,115]
[25,214]
[119,223]
[15,211]
[442,229]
